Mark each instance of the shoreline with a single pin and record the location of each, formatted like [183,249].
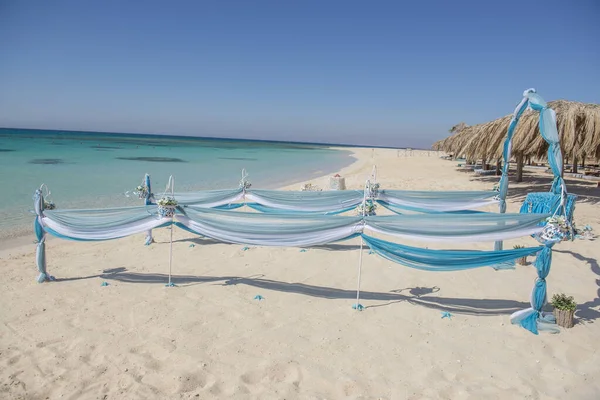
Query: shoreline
[18,242]
[108,327]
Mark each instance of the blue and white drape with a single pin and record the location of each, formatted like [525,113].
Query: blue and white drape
[304,219]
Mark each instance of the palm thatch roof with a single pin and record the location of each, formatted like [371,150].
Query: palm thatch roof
[578,127]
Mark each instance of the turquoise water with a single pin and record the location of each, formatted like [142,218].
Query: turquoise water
[85,170]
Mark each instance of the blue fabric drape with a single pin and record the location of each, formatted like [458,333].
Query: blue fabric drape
[444,260]
[548,203]
[506,154]
[271,210]
[533,319]
[40,234]
[148,199]
[402,210]
[549,132]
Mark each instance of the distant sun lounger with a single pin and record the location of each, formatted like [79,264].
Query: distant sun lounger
[485,172]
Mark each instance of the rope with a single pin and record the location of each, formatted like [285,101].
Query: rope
[170,185]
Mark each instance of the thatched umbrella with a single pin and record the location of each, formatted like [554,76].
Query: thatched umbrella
[456,142]
[578,126]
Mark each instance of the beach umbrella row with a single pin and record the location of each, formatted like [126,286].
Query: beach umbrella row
[578,126]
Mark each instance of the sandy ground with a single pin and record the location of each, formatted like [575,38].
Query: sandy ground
[209,338]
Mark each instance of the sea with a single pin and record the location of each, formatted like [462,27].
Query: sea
[97,170]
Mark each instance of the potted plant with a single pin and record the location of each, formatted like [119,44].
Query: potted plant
[522,260]
[564,309]
[166,207]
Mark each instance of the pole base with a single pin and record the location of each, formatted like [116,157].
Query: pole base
[358,307]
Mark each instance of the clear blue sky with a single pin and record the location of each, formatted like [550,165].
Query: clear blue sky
[344,71]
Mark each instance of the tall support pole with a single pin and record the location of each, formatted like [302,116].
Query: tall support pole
[40,233]
[148,201]
[171,186]
[503,187]
[357,305]
[533,318]
[170,257]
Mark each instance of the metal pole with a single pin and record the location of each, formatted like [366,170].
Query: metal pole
[359,306]
[170,255]
[172,187]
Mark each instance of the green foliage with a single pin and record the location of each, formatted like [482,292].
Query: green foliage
[563,302]
[48,205]
[167,201]
[518,246]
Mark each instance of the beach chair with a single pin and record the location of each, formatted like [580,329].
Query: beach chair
[483,172]
[547,203]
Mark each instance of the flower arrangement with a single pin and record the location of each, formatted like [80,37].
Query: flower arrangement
[166,207]
[368,208]
[49,205]
[141,191]
[244,184]
[586,233]
[560,221]
[557,229]
[373,189]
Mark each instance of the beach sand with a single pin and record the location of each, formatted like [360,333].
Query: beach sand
[209,338]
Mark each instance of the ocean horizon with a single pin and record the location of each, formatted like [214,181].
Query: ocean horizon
[96,169]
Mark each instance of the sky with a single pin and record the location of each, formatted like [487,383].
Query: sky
[385,73]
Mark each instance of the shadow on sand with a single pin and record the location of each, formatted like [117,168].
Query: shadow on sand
[418,296]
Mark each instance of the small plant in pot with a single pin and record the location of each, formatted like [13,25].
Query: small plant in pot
[522,260]
[564,309]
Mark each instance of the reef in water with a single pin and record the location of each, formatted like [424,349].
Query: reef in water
[238,158]
[152,159]
[46,161]
[6,150]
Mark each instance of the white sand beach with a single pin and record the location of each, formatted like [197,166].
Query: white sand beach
[209,338]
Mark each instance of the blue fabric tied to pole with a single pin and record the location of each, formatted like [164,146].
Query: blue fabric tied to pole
[148,201]
[549,132]
[506,154]
[40,234]
[532,318]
